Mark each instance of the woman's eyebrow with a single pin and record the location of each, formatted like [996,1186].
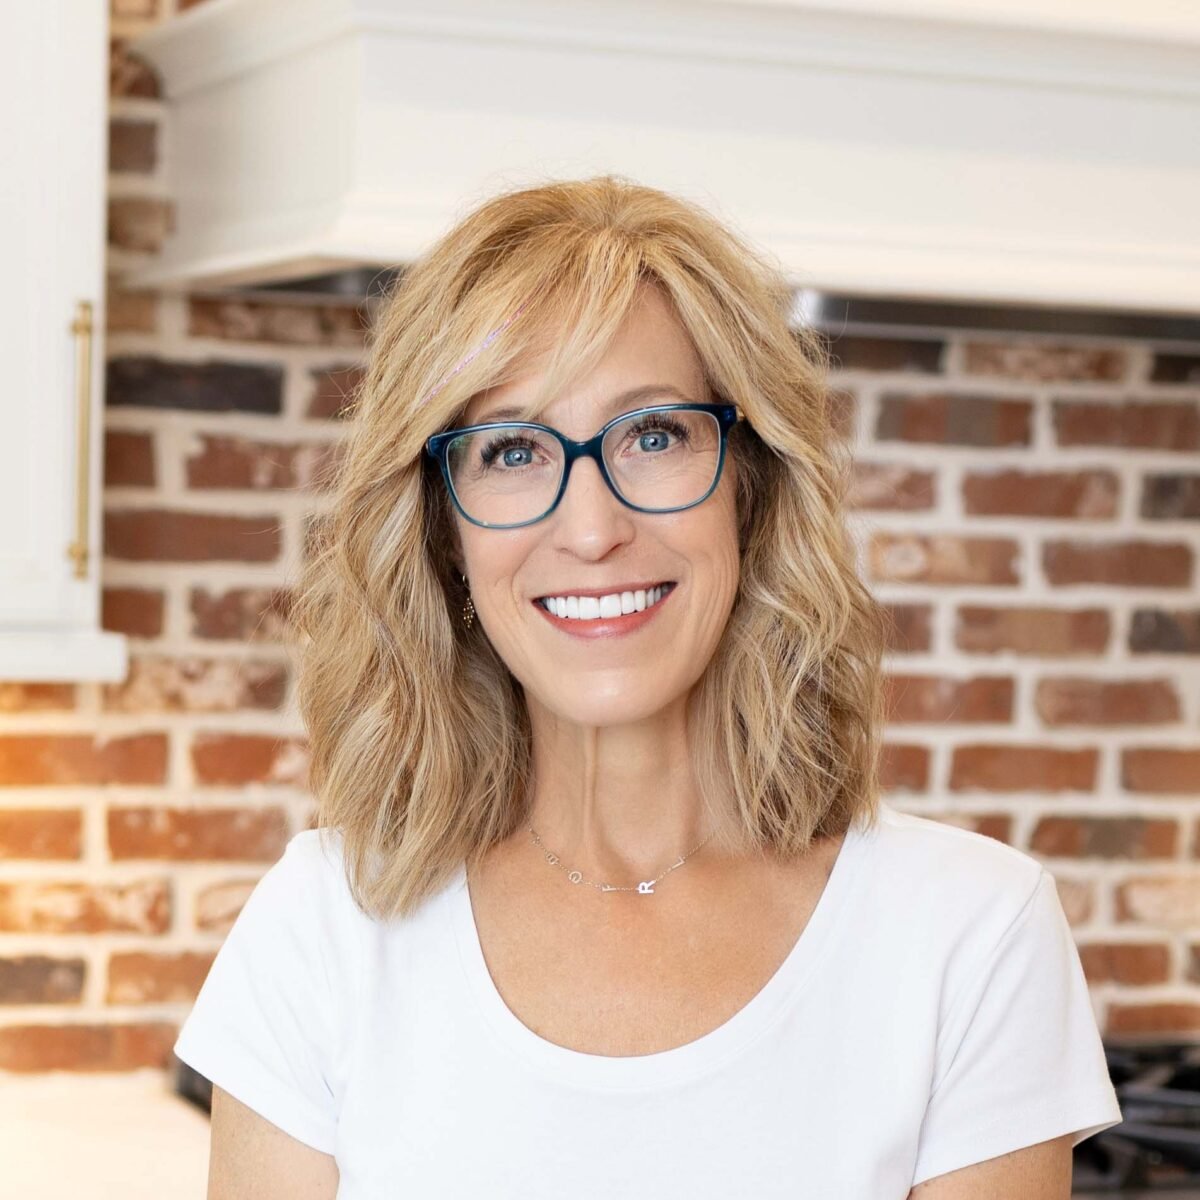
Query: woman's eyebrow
[642,392]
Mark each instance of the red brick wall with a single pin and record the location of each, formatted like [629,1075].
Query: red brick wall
[1027,506]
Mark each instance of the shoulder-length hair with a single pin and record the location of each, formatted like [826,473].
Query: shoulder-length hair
[418,734]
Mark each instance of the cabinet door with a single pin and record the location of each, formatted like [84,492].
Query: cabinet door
[53,134]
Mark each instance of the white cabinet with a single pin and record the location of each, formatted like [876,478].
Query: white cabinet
[53,121]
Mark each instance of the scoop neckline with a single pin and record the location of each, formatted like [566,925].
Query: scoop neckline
[697,1057]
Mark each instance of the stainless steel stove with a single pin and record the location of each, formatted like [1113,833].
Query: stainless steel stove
[1155,1150]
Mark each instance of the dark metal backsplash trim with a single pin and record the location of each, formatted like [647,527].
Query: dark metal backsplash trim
[832,312]
[859,314]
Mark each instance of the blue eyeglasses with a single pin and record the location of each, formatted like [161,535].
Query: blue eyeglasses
[665,458]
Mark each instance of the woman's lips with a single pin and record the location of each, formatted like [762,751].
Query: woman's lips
[605,627]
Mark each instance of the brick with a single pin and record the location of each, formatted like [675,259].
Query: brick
[954,419]
[1119,563]
[234,834]
[79,1047]
[1171,497]
[1165,901]
[942,558]
[129,311]
[1035,360]
[1078,898]
[335,391]
[1019,768]
[41,979]
[132,146]
[139,223]
[37,696]
[128,458]
[861,352]
[145,381]
[128,74]
[843,412]
[240,614]
[131,9]
[41,833]
[218,905]
[230,759]
[296,324]
[890,487]
[908,628]
[903,768]
[1085,701]
[1133,963]
[998,826]
[136,612]
[1164,631]
[1032,630]
[190,683]
[1160,770]
[940,699]
[1168,1019]
[245,463]
[1123,838]
[48,906]
[163,535]
[145,978]
[1090,495]
[1163,425]
[49,759]
[1175,368]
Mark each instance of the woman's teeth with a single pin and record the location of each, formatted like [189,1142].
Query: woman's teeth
[591,608]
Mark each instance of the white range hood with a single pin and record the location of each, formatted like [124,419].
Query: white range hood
[1030,151]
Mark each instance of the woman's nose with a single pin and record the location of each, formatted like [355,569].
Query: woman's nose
[588,508]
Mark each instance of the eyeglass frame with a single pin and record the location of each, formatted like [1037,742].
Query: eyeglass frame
[436,448]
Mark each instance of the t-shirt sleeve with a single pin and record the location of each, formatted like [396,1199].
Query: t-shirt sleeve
[1020,1057]
[266,1024]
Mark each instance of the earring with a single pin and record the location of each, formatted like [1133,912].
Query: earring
[468,611]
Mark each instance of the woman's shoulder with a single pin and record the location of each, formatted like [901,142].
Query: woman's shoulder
[306,889]
[934,870]
[317,851]
[313,871]
[311,859]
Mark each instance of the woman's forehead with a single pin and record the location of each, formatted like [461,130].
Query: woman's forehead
[648,350]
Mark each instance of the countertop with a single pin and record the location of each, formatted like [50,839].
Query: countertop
[100,1136]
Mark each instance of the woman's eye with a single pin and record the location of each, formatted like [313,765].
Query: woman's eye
[658,434]
[502,448]
[654,439]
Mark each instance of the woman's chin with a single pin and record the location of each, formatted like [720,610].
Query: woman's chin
[625,705]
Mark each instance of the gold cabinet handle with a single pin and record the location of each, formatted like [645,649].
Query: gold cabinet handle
[82,328]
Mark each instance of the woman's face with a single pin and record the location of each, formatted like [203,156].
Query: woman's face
[608,672]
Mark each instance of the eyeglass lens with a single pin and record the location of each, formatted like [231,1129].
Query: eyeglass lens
[509,474]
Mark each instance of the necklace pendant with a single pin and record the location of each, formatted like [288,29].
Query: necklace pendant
[647,887]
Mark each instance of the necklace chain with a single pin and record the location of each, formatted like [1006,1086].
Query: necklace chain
[645,888]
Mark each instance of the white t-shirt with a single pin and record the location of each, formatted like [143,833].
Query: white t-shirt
[933,1013]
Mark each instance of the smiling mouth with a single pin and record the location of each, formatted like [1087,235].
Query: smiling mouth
[614,604]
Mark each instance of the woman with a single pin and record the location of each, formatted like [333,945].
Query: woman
[603,901]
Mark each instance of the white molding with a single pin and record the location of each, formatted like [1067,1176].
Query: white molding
[1028,153]
[67,656]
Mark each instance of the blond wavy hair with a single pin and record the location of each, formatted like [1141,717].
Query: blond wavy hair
[418,733]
